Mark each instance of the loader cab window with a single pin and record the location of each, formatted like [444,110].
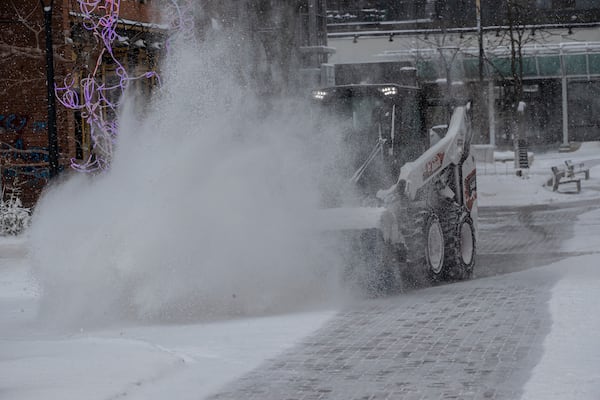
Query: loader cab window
[364,121]
[380,129]
[410,140]
[358,113]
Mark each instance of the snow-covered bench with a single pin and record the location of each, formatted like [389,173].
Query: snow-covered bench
[573,169]
[560,177]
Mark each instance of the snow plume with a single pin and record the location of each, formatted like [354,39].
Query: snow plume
[205,213]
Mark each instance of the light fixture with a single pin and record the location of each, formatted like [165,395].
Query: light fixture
[389,90]
[319,94]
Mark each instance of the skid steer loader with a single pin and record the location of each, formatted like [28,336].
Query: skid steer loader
[411,217]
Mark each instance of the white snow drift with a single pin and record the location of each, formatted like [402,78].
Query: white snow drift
[204,214]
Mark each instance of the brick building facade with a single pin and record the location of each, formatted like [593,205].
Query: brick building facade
[23,90]
[291,37]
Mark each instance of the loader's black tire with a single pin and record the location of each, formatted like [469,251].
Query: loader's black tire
[460,248]
[424,248]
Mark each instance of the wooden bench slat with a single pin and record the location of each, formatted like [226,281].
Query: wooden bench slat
[558,176]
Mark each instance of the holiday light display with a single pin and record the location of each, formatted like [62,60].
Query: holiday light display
[91,94]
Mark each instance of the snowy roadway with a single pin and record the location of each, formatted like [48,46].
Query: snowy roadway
[530,334]
[514,239]
[514,332]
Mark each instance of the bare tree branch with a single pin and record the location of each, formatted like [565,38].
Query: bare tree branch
[26,22]
[7,85]
[7,50]
[10,51]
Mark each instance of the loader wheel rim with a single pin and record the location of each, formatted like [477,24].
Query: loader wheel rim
[466,243]
[435,246]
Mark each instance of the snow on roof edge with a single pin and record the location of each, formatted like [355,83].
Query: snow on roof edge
[151,25]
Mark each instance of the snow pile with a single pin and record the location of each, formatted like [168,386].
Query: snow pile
[569,366]
[205,213]
[14,218]
[186,362]
[498,184]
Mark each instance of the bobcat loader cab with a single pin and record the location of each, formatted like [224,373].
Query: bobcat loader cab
[416,183]
[383,128]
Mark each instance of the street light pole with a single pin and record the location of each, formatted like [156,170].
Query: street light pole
[47,6]
[491,120]
[480,39]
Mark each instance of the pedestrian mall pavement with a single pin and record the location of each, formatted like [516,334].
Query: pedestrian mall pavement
[478,339]
[530,334]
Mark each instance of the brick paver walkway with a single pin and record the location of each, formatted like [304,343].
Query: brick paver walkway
[469,340]
[472,340]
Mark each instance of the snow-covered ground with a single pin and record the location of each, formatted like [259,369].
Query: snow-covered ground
[498,184]
[570,365]
[182,361]
[156,361]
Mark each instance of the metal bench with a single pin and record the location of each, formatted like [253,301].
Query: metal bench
[573,169]
[561,177]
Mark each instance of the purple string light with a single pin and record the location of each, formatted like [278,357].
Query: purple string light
[100,17]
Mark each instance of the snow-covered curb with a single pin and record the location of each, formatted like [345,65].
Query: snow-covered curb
[182,361]
[513,191]
[159,362]
[569,368]
[13,246]
[499,186]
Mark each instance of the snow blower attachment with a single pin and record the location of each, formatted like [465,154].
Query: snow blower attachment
[411,216]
